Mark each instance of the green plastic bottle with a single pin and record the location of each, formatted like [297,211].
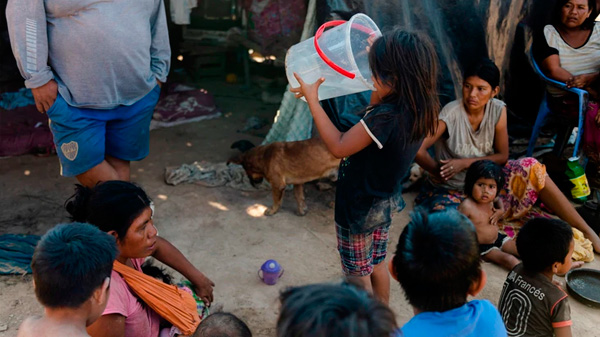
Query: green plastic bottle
[576,175]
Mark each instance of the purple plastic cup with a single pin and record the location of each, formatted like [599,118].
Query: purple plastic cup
[270,272]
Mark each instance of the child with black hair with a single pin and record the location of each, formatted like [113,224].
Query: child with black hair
[222,324]
[71,268]
[377,151]
[437,264]
[530,303]
[325,310]
[482,206]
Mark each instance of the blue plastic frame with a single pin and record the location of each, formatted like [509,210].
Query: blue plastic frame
[544,111]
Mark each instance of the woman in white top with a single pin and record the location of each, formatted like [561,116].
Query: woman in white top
[572,55]
[573,38]
[474,128]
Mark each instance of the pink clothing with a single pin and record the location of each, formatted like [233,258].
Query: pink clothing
[140,320]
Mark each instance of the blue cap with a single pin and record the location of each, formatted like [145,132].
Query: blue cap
[271,266]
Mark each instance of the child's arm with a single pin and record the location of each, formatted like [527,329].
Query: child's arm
[340,144]
[565,331]
[498,212]
[464,208]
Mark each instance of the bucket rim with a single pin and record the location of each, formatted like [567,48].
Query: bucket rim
[375,31]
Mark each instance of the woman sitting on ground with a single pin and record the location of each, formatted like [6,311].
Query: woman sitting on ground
[475,128]
[124,210]
[569,52]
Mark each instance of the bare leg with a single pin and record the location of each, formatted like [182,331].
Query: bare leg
[510,247]
[121,167]
[299,195]
[556,200]
[362,281]
[101,172]
[505,260]
[380,281]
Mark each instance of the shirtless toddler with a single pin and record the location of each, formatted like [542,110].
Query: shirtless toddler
[484,179]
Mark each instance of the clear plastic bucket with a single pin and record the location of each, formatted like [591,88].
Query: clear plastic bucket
[340,55]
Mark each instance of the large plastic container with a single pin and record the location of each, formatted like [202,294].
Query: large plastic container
[576,175]
[340,55]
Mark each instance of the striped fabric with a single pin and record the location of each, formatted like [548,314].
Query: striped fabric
[577,61]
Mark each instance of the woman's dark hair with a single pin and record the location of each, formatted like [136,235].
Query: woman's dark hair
[542,241]
[437,259]
[587,24]
[407,63]
[486,70]
[110,206]
[483,169]
[324,310]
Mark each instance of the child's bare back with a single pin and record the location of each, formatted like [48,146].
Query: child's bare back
[42,326]
[480,214]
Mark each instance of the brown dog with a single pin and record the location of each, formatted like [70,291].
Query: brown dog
[284,163]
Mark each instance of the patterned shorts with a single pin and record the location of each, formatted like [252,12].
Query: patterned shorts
[361,252]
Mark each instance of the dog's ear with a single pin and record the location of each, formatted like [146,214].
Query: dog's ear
[242,145]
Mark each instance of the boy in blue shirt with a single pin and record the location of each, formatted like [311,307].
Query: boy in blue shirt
[437,265]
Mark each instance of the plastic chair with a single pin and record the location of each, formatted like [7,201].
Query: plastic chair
[544,112]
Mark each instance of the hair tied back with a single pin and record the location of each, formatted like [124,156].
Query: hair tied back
[76,205]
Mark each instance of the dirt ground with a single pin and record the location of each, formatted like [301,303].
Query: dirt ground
[221,230]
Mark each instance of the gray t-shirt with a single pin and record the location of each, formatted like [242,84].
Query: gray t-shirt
[461,141]
[531,305]
[102,53]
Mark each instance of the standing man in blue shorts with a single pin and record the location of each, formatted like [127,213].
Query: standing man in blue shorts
[95,67]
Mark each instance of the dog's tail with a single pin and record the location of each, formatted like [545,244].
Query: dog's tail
[242,145]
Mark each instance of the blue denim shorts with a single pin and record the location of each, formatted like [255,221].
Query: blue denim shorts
[83,137]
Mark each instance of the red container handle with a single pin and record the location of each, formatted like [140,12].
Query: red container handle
[324,57]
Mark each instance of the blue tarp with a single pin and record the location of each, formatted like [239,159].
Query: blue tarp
[11,100]
[16,251]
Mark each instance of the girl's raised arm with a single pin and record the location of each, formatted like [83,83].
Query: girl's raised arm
[340,144]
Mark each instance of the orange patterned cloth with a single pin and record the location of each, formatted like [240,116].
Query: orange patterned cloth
[524,180]
[171,303]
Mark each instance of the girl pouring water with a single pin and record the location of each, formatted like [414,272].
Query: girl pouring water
[378,151]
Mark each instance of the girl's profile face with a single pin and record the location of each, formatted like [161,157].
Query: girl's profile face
[140,240]
[484,190]
[574,13]
[476,93]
